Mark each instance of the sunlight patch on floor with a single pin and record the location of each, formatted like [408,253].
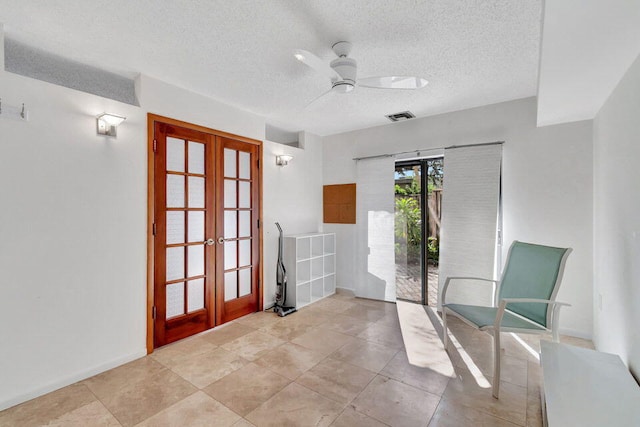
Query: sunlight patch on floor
[526,346]
[424,346]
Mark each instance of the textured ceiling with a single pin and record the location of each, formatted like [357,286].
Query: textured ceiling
[473,52]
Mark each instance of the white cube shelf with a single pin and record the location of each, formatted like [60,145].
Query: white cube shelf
[311,267]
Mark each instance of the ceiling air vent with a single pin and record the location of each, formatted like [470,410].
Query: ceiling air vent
[398,117]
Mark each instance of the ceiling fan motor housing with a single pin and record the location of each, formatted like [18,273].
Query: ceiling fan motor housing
[347,69]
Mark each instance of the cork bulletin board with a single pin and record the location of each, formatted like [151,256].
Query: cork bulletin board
[339,204]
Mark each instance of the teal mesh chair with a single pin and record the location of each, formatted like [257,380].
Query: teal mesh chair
[523,300]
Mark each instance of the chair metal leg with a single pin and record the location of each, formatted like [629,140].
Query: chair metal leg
[496,363]
[445,333]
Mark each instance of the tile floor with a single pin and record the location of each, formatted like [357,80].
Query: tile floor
[339,362]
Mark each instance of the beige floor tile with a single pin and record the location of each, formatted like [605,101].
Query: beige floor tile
[432,380]
[389,307]
[479,351]
[512,370]
[46,408]
[336,380]
[296,405]
[346,325]
[253,345]
[389,320]
[378,333]
[351,418]
[365,354]
[365,312]
[247,388]
[138,371]
[290,360]
[395,403]
[146,391]
[259,320]
[520,349]
[243,423]
[578,342]
[146,388]
[178,352]
[227,332]
[452,415]
[335,305]
[204,368]
[287,328]
[324,341]
[197,410]
[310,315]
[94,414]
[465,391]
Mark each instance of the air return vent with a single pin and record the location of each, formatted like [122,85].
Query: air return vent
[398,117]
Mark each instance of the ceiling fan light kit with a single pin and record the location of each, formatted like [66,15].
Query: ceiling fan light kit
[343,71]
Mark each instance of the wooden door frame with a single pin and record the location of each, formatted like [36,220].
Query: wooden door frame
[151,120]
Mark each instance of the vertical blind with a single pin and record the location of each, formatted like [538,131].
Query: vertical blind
[468,237]
[375,272]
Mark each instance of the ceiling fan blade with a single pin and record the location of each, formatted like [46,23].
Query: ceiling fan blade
[317,64]
[393,82]
[316,98]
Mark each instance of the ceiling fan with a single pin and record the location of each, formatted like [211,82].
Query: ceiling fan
[342,72]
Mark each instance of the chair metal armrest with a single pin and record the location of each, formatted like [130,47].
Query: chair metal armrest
[533,300]
[481,279]
[555,306]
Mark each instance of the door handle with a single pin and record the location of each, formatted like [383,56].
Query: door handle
[210,242]
[220,240]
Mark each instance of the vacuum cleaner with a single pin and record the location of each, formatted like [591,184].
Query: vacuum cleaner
[281,282]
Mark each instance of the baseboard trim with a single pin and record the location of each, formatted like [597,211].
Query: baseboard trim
[63,382]
[345,290]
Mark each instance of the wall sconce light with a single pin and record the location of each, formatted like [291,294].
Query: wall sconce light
[107,124]
[283,159]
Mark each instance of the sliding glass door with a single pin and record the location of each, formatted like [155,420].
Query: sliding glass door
[418,201]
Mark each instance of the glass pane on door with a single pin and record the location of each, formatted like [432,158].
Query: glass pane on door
[175,154]
[195,290]
[196,226]
[408,232]
[435,177]
[175,300]
[238,207]
[230,285]
[196,157]
[175,227]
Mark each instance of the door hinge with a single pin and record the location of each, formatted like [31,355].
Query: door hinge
[258,164]
[154,228]
[258,223]
[155,145]
[153,312]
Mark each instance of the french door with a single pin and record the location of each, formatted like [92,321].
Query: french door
[205,231]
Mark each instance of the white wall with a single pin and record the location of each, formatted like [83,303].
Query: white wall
[617,222]
[547,183]
[338,168]
[72,239]
[73,225]
[162,98]
[292,197]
